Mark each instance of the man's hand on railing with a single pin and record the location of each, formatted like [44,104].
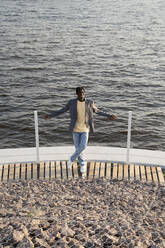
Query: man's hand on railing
[112,117]
[46,117]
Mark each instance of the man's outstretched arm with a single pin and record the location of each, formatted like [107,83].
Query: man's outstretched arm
[102,113]
[58,112]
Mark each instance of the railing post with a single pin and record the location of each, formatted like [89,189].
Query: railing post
[36,137]
[129,136]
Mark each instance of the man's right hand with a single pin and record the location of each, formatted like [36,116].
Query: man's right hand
[47,117]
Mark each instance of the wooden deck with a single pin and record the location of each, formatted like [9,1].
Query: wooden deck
[58,170]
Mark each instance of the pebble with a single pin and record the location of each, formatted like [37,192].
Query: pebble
[18,236]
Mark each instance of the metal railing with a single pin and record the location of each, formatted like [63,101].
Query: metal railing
[128,136]
[36,136]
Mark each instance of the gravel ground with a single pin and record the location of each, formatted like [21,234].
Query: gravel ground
[80,213]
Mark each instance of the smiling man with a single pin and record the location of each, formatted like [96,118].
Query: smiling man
[81,115]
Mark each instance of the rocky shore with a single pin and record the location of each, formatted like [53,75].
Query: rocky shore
[81,213]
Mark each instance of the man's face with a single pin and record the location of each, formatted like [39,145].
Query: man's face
[81,96]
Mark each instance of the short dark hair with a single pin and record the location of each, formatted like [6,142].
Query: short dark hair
[79,89]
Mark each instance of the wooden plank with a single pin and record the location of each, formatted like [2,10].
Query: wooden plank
[160,176]
[29,174]
[5,172]
[114,175]
[52,169]
[17,171]
[75,170]
[1,169]
[148,171]
[120,172]
[70,174]
[143,174]
[34,170]
[108,170]
[137,172]
[102,169]
[64,174]
[47,170]
[131,170]
[91,170]
[42,170]
[154,175]
[97,169]
[84,175]
[126,171]
[23,171]
[58,170]
[11,172]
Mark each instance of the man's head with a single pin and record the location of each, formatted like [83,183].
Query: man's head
[80,92]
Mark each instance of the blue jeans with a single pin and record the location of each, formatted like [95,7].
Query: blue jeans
[80,141]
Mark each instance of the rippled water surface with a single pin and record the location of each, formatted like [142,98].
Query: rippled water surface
[113,48]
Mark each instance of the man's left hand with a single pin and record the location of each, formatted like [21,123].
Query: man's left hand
[112,117]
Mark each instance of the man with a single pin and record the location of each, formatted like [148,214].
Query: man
[81,114]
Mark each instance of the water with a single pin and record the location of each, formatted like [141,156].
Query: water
[115,49]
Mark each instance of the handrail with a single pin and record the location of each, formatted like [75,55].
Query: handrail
[36,137]
[128,137]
